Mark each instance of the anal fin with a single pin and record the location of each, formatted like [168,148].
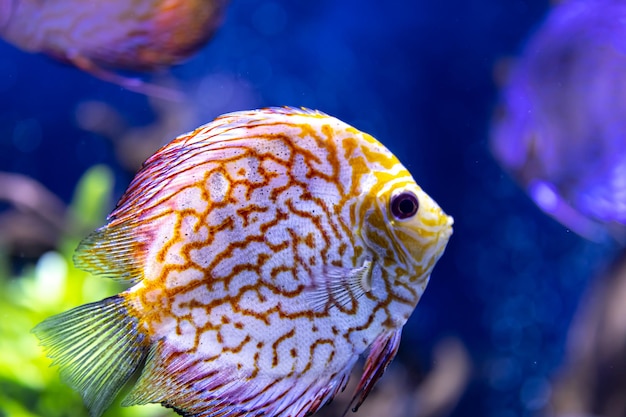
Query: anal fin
[197,386]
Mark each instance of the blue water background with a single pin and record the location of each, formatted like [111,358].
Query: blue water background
[419,76]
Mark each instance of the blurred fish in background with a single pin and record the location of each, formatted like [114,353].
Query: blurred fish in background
[560,130]
[103,37]
[592,380]
[36,217]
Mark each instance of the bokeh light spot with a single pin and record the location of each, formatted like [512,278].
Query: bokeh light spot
[544,195]
[535,393]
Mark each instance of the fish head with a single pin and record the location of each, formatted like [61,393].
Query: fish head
[404,227]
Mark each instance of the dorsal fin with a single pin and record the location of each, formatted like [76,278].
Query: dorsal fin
[116,250]
[113,251]
[175,165]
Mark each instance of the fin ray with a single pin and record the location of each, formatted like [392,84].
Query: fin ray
[97,347]
[111,252]
[339,287]
[211,389]
[382,352]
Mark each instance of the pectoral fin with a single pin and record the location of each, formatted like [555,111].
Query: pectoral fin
[341,287]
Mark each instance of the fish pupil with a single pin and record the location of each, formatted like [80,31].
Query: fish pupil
[404,205]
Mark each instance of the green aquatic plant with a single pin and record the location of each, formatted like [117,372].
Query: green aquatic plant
[29,386]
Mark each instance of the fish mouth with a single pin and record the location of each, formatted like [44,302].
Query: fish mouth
[447,227]
[440,222]
[443,236]
[446,230]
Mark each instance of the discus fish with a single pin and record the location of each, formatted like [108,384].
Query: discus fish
[101,36]
[560,129]
[267,250]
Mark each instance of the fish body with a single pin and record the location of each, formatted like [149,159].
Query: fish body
[135,35]
[103,37]
[267,251]
[560,128]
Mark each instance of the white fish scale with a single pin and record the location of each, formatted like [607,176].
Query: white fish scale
[220,185]
[183,278]
[298,347]
[295,344]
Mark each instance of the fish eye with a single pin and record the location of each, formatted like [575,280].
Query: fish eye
[404,205]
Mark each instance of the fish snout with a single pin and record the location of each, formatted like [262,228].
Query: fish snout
[448,226]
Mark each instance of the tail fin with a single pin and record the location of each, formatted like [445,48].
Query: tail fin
[98,347]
